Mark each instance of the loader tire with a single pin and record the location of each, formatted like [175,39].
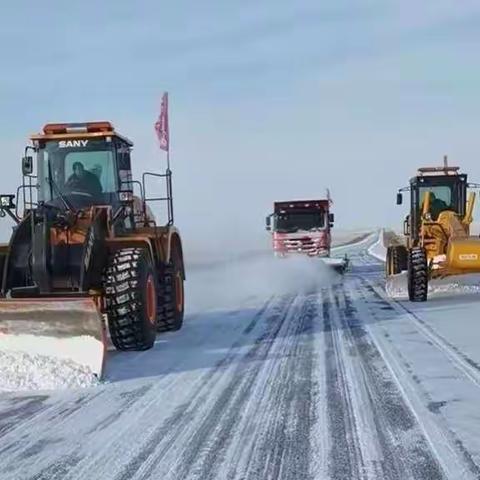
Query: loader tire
[417,275]
[131,290]
[171,300]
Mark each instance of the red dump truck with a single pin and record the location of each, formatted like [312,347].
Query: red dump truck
[303,227]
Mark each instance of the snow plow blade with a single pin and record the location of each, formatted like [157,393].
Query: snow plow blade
[60,328]
[340,265]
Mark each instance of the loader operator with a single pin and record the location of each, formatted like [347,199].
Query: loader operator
[84,181]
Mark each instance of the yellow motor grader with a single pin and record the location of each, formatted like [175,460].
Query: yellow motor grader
[437,230]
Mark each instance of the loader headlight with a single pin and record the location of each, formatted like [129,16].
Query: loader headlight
[6,201]
[126,196]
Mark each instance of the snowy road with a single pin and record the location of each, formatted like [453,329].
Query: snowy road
[336,381]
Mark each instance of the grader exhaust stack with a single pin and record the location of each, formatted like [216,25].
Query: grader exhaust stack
[87,256]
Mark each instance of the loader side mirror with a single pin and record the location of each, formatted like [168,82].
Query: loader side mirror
[331,218]
[399,198]
[27,165]
[268,223]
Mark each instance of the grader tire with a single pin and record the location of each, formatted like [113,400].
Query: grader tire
[417,275]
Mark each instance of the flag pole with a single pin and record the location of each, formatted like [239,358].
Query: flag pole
[163,134]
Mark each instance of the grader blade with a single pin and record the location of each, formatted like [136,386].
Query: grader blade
[60,328]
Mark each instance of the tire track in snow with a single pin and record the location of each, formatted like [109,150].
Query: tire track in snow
[404,452]
[19,410]
[137,402]
[465,364]
[274,435]
[180,427]
[345,454]
[463,459]
[373,432]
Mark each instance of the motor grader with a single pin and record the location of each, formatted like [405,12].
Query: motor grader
[86,261]
[438,243]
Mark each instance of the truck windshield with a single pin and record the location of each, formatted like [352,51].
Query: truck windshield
[76,167]
[300,221]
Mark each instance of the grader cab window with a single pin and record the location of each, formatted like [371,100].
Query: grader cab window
[440,199]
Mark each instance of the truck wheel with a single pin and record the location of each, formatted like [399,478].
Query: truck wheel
[417,275]
[131,291]
[171,299]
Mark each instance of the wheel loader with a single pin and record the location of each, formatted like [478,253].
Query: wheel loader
[87,265]
[437,243]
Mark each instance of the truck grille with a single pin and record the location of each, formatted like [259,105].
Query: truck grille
[306,246]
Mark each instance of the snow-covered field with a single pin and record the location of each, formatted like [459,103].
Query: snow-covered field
[283,370]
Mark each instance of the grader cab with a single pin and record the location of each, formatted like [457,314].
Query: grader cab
[437,230]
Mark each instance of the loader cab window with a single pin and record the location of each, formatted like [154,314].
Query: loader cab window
[294,221]
[82,169]
[99,163]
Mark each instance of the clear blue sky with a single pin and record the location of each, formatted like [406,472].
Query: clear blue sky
[269,100]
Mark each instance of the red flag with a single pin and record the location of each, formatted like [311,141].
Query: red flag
[161,125]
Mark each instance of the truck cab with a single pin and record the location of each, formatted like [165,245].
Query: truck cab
[301,227]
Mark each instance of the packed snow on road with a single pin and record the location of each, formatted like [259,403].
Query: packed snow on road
[284,370]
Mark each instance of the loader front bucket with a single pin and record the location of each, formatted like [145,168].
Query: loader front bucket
[61,328]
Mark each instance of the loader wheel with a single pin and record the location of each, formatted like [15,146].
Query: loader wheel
[171,299]
[417,275]
[131,294]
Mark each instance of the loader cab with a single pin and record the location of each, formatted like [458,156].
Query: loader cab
[448,191]
[87,166]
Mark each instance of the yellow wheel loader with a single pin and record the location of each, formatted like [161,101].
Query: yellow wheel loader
[438,243]
[87,260]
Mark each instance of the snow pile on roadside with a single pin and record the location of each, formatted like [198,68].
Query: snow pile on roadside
[21,371]
[396,285]
[378,249]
